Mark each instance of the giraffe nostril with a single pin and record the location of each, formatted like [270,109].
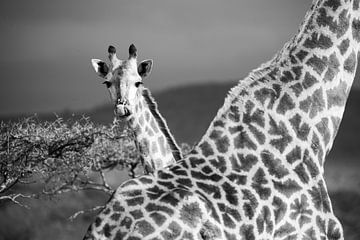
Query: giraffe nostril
[121,110]
[121,102]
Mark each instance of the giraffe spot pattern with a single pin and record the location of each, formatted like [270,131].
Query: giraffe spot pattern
[247,232]
[318,64]
[274,165]
[288,187]
[144,228]
[250,203]
[323,128]
[309,80]
[267,95]
[297,88]
[107,230]
[334,4]
[246,162]
[206,149]
[337,95]
[158,218]
[332,68]
[257,117]
[301,173]
[230,236]
[136,214]
[264,221]
[301,55]
[310,234]
[281,135]
[237,178]
[339,27]
[318,40]
[135,201]
[259,184]
[355,5]
[320,197]
[173,231]
[301,129]
[243,140]
[222,142]
[210,231]
[294,155]
[344,45]
[285,104]
[310,165]
[280,209]
[313,104]
[284,230]
[219,164]
[287,77]
[356,29]
[230,193]
[300,210]
[316,148]
[190,214]
[350,63]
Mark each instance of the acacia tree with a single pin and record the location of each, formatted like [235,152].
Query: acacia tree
[62,156]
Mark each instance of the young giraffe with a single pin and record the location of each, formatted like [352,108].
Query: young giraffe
[258,172]
[135,105]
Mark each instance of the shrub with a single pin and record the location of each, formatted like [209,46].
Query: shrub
[62,156]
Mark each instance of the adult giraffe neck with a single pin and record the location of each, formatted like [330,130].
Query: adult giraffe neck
[294,103]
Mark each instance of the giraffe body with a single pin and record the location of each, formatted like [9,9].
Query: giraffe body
[258,172]
[134,104]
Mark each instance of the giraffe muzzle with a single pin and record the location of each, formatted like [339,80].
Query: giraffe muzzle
[121,109]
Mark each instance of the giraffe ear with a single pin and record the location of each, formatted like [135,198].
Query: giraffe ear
[145,67]
[100,67]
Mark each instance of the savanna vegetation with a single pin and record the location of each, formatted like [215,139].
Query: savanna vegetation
[62,156]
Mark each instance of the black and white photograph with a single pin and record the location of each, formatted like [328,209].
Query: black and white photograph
[180,120]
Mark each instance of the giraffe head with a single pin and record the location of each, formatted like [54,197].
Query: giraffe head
[123,79]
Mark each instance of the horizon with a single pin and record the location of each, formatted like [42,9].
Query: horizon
[47,45]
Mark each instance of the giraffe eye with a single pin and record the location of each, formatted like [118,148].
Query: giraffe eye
[137,84]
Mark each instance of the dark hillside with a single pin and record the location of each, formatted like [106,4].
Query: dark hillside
[190,109]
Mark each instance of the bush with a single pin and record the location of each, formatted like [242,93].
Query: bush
[62,156]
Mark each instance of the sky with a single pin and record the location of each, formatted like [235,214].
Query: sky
[46,45]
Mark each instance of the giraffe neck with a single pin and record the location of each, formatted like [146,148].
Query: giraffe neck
[157,145]
[291,107]
[323,61]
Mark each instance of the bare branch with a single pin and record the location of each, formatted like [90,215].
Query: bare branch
[14,197]
[75,215]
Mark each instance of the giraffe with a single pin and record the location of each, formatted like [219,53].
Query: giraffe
[135,105]
[258,172]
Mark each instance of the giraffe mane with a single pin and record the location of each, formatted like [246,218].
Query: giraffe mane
[153,107]
[254,75]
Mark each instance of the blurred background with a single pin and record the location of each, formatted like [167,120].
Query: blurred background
[200,49]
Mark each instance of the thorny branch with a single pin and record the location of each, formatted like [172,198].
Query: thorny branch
[63,155]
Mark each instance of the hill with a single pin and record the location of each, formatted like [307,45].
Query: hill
[189,110]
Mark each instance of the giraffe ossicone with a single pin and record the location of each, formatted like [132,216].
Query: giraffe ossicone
[258,172]
[134,105]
